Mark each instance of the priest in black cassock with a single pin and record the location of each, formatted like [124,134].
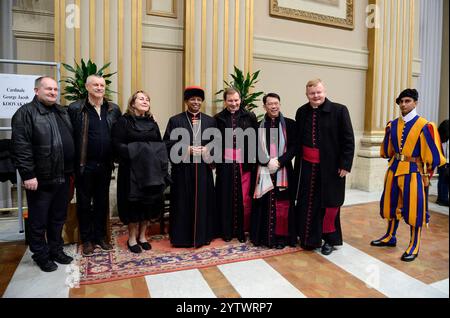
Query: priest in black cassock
[235,175]
[326,149]
[273,219]
[192,191]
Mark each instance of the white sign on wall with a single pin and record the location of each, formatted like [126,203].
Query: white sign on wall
[15,90]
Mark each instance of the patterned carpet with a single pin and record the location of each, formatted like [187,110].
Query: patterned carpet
[121,263]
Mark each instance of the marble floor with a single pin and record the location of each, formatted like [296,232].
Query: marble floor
[354,270]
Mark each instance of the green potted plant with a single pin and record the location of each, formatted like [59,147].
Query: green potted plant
[244,84]
[75,85]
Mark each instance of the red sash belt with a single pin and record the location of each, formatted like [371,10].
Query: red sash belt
[311,154]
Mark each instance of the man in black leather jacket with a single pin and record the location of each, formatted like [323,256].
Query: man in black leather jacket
[43,152]
[92,119]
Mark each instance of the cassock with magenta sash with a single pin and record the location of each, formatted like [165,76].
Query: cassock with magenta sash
[192,191]
[235,176]
[327,144]
[273,219]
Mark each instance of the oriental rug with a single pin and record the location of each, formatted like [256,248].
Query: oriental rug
[120,263]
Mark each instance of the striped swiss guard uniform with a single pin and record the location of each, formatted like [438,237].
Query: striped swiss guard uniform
[412,145]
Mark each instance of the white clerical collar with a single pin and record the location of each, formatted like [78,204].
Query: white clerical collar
[410,115]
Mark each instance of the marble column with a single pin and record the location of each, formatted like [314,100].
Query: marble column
[431,13]
[390,43]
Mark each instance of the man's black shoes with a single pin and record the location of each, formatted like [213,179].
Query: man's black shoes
[380,243]
[46,265]
[327,249]
[408,257]
[62,258]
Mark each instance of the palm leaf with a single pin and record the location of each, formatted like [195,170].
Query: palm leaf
[244,85]
[75,85]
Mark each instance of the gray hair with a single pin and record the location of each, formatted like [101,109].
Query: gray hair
[90,77]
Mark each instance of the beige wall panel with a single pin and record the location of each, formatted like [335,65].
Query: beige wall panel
[84,30]
[113,25]
[267,26]
[288,80]
[162,36]
[33,31]
[35,50]
[126,51]
[33,23]
[162,78]
[35,6]
[345,86]
[99,31]
[152,19]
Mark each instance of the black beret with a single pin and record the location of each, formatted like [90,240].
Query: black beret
[194,91]
[409,92]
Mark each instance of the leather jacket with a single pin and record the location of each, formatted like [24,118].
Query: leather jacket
[37,145]
[80,121]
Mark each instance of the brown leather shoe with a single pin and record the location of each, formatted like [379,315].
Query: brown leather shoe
[88,249]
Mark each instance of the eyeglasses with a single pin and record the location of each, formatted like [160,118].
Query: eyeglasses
[273,104]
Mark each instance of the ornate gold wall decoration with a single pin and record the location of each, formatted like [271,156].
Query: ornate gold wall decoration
[316,11]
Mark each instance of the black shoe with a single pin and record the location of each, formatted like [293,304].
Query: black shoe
[88,249]
[441,203]
[408,257]
[380,243]
[47,265]
[279,246]
[135,248]
[61,258]
[145,245]
[327,249]
[227,239]
[307,248]
[105,245]
[242,240]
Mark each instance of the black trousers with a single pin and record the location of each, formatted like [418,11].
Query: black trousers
[47,212]
[93,202]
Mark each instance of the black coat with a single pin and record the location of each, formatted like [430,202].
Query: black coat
[37,144]
[126,132]
[191,220]
[80,121]
[337,148]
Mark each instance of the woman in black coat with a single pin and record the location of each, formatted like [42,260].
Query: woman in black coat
[136,125]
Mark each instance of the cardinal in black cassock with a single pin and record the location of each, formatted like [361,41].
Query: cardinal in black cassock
[192,192]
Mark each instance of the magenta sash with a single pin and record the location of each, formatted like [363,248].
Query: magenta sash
[246,198]
[311,154]
[233,154]
[281,226]
[329,220]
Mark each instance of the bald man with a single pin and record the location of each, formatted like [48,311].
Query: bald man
[43,153]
